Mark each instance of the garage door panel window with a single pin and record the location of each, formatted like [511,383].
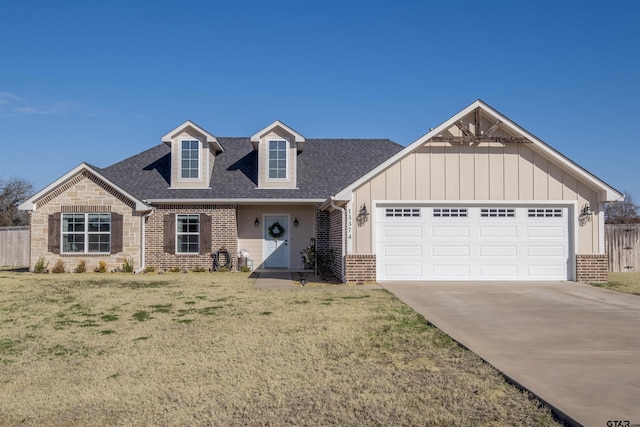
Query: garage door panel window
[403,212]
[545,213]
[450,212]
[498,213]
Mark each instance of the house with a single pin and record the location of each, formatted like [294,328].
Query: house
[476,198]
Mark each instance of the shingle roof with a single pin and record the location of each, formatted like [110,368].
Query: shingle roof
[325,166]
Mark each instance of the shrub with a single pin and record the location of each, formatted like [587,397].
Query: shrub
[59,267]
[222,270]
[245,269]
[81,267]
[149,269]
[127,267]
[175,270]
[199,270]
[41,266]
[102,267]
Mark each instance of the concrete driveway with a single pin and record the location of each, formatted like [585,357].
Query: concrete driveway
[575,346]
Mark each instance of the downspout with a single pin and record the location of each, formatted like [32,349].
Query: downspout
[344,236]
[142,245]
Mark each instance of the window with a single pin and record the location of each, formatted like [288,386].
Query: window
[278,159]
[188,234]
[86,233]
[190,158]
[545,213]
[402,212]
[498,213]
[450,212]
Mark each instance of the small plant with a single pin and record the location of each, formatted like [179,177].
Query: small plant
[222,270]
[81,267]
[41,266]
[245,269]
[175,270]
[149,269]
[59,267]
[102,267]
[127,267]
[141,316]
[199,270]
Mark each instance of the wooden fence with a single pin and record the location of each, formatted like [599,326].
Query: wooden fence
[623,247]
[14,246]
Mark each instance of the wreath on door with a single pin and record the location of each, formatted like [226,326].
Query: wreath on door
[276,231]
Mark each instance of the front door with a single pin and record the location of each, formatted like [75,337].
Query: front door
[276,241]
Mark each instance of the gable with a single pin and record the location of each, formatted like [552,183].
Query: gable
[65,185]
[479,129]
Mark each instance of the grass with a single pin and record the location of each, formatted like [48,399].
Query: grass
[210,349]
[622,282]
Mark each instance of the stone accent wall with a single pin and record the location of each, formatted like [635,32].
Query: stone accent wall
[85,193]
[224,234]
[336,240]
[360,268]
[592,268]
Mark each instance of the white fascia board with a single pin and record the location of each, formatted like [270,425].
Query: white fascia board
[297,136]
[238,201]
[210,139]
[608,193]
[30,204]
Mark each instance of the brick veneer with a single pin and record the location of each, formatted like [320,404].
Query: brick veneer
[592,268]
[336,241]
[360,268]
[224,234]
[322,232]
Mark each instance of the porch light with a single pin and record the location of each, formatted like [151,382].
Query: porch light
[586,210]
[295,222]
[256,222]
[363,214]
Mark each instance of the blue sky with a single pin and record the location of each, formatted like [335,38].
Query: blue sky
[98,81]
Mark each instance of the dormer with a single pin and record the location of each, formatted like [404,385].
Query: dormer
[193,153]
[278,147]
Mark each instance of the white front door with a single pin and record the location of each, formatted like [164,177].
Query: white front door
[276,241]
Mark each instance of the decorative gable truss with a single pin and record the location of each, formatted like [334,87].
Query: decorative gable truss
[278,146]
[193,152]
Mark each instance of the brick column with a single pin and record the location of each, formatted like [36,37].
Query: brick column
[592,268]
[360,268]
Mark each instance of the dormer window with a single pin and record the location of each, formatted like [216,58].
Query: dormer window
[190,156]
[278,149]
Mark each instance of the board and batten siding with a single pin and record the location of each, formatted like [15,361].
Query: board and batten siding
[486,171]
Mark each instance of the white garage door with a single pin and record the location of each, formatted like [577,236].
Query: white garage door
[472,243]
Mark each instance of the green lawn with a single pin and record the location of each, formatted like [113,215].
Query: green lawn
[210,349]
[623,282]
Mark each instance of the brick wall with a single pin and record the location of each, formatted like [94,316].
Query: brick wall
[322,232]
[336,241]
[224,234]
[360,268]
[591,268]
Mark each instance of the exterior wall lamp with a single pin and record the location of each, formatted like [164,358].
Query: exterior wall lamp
[363,214]
[295,222]
[585,214]
[256,222]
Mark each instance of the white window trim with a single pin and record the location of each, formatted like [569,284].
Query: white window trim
[199,178]
[85,233]
[178,252]
[287,150]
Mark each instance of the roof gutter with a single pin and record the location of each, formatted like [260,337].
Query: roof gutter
[273,201]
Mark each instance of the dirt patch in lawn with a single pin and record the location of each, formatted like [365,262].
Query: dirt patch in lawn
[209,349]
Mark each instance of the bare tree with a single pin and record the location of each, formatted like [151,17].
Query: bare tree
[13,191]
[622,212]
